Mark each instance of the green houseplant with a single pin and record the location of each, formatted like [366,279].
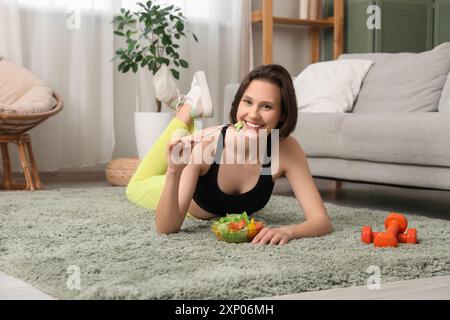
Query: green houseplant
[151,35]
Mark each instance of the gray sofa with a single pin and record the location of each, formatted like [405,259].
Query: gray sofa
[398,132]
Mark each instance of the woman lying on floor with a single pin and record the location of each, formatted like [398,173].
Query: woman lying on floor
[207,188]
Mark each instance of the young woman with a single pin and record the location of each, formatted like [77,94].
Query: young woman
[206,189]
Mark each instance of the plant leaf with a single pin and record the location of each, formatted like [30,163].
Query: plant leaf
[162,60]
[175,74]
[120,51]
[184,63]
[166,40]
[152,64]
[169,50]
[126,68]
[179,26]
[122,65]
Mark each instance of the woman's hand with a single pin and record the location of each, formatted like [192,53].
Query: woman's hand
[179,152]
[275,236]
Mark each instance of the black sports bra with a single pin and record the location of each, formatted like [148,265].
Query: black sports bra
[211,198]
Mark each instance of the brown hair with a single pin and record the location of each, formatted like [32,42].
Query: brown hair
[279,76]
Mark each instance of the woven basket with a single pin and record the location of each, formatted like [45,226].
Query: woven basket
[119,171]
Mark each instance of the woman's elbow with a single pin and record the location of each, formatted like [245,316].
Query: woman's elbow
[324,226]
[161,230]
[327,226]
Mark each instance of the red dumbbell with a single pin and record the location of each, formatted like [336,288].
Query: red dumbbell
[395,225]
[367,236]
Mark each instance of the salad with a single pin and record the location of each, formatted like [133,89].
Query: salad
[239,125]
[236,228]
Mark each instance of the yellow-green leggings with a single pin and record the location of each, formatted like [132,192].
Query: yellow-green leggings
[147,183]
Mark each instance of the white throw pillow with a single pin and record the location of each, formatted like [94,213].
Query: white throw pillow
[36,100]
[22,92]
[330,86]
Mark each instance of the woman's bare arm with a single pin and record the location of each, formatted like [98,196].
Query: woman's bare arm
[175,199]
[181,179]
[179,190]
[308,197]
[169,217]
[298,174]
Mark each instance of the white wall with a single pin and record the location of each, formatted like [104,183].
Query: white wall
[124,108]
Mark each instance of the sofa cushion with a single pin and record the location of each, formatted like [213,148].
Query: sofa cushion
[384,173]
[38,99]
[318,133]
[403,82]
[444,102]
[330,86]
[22,92]
[413,138]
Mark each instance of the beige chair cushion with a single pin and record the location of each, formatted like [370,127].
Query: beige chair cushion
[21,92]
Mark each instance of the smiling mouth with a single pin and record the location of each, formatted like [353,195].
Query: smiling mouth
[252,125]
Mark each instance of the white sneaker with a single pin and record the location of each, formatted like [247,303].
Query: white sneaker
[199,97]
[166,90]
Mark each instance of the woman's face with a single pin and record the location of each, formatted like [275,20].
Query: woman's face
[260,106]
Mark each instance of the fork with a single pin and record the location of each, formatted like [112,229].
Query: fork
[186,145]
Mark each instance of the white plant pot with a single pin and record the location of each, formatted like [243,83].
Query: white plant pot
[148,126]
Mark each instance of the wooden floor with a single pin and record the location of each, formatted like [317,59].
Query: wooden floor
[15,289]
[431,203]
[437,288]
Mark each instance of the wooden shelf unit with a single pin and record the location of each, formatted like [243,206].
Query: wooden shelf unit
[265,16]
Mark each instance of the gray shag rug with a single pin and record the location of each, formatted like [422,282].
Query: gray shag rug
[47,238]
